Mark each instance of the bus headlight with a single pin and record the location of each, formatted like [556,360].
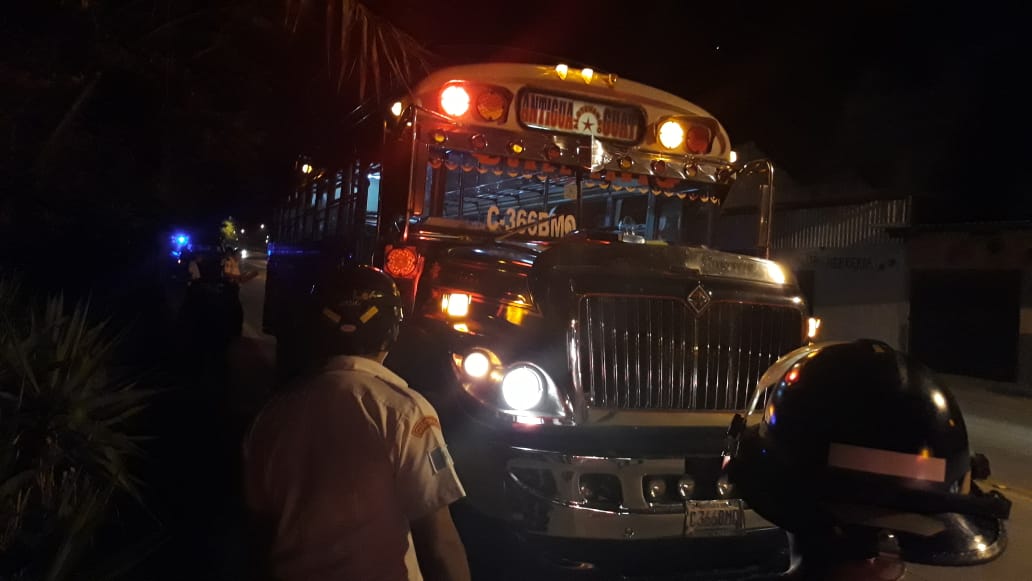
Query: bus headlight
[522,390]
[477,365]
[522,387]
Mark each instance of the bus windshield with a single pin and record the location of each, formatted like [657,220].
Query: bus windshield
[540,200]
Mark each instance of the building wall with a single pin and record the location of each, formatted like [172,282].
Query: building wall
[858,292]
[990,250]
[853,271]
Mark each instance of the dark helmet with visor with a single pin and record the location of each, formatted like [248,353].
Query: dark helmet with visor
[356,310]
[858,434]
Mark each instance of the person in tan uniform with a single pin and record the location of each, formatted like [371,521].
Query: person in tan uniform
[347,472]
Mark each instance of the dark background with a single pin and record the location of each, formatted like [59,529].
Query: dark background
[122,120]
[200,107]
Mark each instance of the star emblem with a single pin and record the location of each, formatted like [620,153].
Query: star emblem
[587,124]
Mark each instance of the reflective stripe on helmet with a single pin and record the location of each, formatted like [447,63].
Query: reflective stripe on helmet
[886,462]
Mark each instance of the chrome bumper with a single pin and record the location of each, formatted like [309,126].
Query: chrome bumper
[537,506]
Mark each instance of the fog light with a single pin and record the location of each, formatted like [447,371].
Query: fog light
[656,489]
[476,365]
[724,488]
[478,141]
[601,488]
[522,387]
[625,163]
[686,487]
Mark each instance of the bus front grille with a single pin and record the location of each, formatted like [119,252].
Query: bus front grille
[655,353]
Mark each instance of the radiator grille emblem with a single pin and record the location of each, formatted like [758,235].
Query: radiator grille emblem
[699,299]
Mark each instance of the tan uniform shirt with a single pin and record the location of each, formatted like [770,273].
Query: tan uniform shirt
[339,467]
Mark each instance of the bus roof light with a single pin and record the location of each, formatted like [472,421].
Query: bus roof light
[396,109]
[455,101]
[671,134]
[491,105]
[699,139]
[587,74]
[562,70]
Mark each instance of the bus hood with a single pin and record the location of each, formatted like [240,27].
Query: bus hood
[607,267]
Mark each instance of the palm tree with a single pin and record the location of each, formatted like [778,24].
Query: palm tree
[365,53]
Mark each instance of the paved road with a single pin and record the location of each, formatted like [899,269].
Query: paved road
[999,425]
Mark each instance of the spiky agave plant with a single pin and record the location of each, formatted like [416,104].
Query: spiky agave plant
[64,438]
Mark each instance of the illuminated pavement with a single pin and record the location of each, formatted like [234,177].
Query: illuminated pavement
[999,425]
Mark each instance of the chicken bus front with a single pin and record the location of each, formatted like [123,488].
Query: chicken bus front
[585,347]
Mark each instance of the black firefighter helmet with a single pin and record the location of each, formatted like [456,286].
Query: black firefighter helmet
[355,310]
[859,435]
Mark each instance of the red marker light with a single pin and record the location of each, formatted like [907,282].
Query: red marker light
[699,138]
[455,101]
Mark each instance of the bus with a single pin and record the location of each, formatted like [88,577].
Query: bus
[550,228]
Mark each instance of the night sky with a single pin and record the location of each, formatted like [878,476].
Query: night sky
[911,98]
[202,106]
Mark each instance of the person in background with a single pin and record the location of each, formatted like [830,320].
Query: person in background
[231,266]
[346,472]
[194,268]
[232,279]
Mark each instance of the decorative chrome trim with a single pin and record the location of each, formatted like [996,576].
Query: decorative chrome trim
[704,361]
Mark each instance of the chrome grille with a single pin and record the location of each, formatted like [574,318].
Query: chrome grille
[655,353]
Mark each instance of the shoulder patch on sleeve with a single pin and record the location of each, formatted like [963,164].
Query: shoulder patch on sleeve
[424,424]
[439,459]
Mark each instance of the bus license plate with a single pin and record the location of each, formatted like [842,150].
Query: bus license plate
[714,517]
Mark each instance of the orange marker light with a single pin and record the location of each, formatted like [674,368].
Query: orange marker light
[401,262]
[491,105]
